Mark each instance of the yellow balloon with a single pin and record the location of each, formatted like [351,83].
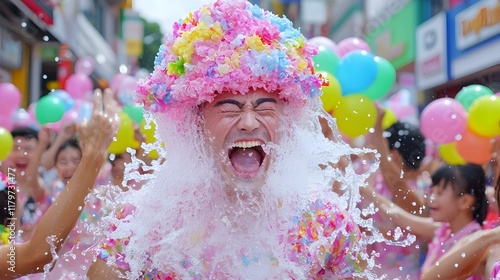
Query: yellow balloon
[332,93]
[389,119]
[154,153]
[124,136]
[148,133]
[355,114]
[450,155]
[484,116]
[6,143]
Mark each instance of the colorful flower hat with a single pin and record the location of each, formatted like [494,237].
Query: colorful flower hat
[229,46]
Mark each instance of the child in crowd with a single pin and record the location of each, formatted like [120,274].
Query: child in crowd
[400,180]
[476,254]
[23,163]
[458,207]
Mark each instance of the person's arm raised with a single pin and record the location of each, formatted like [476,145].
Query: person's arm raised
[420,226]
[403,194]
[463,259]
[60,218]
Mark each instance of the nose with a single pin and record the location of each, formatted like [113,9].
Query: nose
[432,197]
[248,121]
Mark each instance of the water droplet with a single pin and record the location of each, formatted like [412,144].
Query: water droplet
[463,255]
[80,208]
[44,77]
[24,24]
[456,265]
[46,38]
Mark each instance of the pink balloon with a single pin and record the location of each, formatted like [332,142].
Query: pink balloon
[443,120]
[70,117]
[85,66]
[352,44]
[497,94]
[6,123]
[126,91]
[116,81]
[78,85]
[10,97]
[326,42]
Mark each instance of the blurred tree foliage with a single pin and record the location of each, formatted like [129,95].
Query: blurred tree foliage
[153,38]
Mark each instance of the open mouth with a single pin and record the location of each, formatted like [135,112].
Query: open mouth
[247,157]
[21,166]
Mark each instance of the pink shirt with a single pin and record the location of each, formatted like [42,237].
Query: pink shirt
[444,240]
[495,274]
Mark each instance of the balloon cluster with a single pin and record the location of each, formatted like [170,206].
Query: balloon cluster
[464,126]
[355,78]
[132,115]
[72,105]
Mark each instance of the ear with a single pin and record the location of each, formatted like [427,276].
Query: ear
[466,201]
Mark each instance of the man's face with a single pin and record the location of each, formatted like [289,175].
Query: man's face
[21,153]
[238,126]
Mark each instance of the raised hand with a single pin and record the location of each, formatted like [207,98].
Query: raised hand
[44,137]
[97,133]
[67,132]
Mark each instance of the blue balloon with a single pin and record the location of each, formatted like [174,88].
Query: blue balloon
[65,98]
[356,72]
[84,112]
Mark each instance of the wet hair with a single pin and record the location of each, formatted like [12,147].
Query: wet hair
[72,143]
[409,141]
[465,179]
[26,132]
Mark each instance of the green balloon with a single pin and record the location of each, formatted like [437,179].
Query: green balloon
[467,95]
[326,60]
[386,76]
[134,112]
[49,109]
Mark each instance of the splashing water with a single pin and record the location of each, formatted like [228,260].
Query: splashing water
[187,220]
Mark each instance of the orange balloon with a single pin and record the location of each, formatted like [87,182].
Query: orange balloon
[474,148]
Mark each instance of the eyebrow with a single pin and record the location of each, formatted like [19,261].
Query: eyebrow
[263,100]
[229,101]
[240,105]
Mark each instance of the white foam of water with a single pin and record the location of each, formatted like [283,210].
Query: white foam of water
[188,221]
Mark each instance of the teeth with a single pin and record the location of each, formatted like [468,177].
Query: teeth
[246,144]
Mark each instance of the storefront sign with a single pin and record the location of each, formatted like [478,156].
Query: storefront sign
[11,50]
[474,36]
[431,61]
[395,39]
[133,33]
[477,23]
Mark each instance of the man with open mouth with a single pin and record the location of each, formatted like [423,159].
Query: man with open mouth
[245,191]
